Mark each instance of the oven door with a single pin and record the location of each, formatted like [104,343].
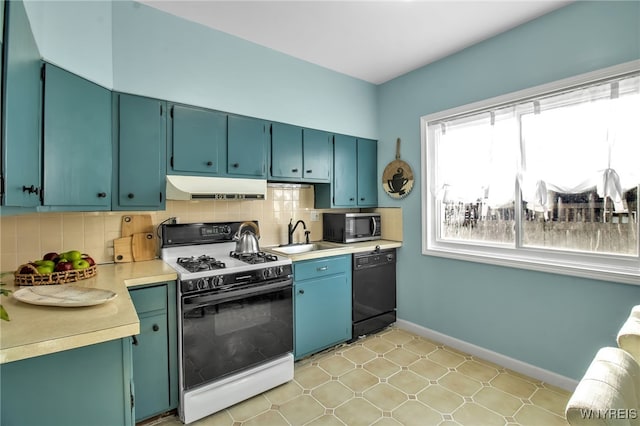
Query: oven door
[231,331]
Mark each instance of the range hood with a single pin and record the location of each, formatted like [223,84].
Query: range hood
[215,188]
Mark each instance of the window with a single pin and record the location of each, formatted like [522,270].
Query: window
[546,178]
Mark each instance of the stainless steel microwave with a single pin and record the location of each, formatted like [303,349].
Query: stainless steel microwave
[351,227]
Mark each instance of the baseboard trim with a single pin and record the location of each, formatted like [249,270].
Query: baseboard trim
[489,355]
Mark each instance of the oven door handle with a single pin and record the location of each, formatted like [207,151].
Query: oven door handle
[199,300]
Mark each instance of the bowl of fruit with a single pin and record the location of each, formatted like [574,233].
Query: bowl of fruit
[56,268]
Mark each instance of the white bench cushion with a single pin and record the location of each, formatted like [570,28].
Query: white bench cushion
[608,394]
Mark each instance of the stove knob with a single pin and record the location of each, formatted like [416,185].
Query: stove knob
[189,285]
[280,271]
[216,281]
[267,272]
[202,284]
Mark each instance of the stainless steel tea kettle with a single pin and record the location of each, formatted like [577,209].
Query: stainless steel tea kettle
[247,239]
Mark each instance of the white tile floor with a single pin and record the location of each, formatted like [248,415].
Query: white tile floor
[397,378]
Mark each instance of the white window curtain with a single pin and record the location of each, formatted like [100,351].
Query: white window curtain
[586,138]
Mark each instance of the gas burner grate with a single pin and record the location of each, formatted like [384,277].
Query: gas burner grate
[201,263]
[254,258]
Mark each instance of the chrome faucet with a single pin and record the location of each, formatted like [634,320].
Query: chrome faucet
[292,228]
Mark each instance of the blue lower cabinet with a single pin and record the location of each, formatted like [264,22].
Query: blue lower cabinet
[91,385]
[155,367]
[322,304]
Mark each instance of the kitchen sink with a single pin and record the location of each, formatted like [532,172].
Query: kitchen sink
[302,248]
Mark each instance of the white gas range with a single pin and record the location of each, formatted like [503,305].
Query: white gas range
[235,314]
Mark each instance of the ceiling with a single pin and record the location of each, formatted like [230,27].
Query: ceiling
[374,41]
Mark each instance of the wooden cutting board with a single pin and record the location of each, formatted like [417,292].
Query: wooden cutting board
[136,223]
[122,250]
[143,246]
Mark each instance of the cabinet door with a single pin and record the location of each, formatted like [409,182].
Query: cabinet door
[198,139]
[322,314]
[77,141]
[317,156]
[141,150]
[247,147]
[155,362]
[22,112]
[286,151]
[367,172]
[90,385]
[344,171]
[150,365]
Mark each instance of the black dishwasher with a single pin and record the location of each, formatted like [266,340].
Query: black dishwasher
[374,291]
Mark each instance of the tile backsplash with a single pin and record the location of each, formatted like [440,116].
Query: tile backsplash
[27,237]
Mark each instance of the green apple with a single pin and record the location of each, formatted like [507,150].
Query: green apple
[50,263]
[80,264]
[73,255]
[45,269]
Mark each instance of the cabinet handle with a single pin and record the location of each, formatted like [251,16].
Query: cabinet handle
[209,163]
[130,196]
[362,199]
[155,327]
[294,170]
[351,199]
[102,194]
[322,268]
[236,165]
[30,189]
[135,340]
[300,291]
[309,171]
[160,196]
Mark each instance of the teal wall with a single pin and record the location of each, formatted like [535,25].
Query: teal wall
[157,54]
[75,35]
[551,321]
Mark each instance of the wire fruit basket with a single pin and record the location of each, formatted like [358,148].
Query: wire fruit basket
[53,278]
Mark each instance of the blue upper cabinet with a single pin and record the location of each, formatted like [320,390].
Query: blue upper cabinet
[367,173]
[316,156]
[345,183]
[77,142]
[21,109]
[300,155]
[247,147]
[354,178]
[140,149]
[197,141]
[286,152]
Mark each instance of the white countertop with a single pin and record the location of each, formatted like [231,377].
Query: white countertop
[39,330]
